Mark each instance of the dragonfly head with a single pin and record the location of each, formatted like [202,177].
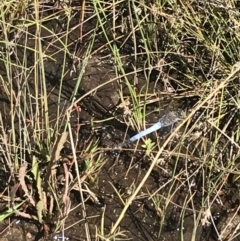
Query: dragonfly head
[181,114]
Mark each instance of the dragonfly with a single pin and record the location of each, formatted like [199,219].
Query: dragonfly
[166,120]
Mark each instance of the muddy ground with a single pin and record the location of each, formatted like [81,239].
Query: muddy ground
[122,169]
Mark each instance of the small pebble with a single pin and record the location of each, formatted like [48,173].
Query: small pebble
[59,237]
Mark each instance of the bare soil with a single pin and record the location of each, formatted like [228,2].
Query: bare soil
[123,170]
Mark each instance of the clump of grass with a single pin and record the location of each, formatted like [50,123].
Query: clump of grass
[36,135]
[164,54]
[197,43]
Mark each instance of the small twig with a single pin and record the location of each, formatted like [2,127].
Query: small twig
[66,199]
[82,13]
[22,174]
